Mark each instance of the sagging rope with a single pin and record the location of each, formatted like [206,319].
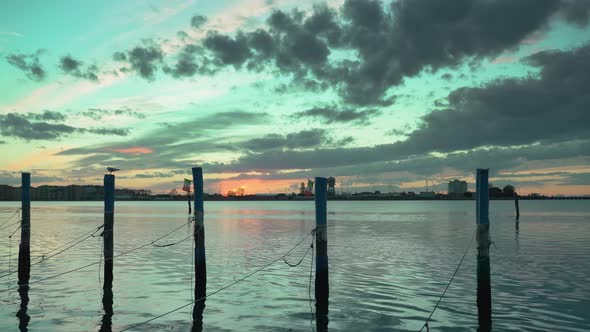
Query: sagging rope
[10,218]
[304,255]
[171,244]
[95,263]
[222,288]
[10,225]
[190,220]
[448,285]
[44,257]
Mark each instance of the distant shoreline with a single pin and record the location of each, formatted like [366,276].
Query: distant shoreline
[311,198]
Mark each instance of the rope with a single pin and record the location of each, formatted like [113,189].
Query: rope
[9,258]
[170,244]
[95,263]
[9,218]
[8,226]
[449,284]
[11,234]
[43,258]
[304,255]
[222,288]
[173,243]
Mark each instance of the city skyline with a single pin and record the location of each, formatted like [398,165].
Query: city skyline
[266,94]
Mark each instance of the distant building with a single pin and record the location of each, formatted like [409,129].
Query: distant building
[457,187]
[8,193]
[302,189]
[331,186]
[427,194]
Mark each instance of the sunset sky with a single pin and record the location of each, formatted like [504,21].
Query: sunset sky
[266,94]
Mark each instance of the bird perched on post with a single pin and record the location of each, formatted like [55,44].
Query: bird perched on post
[112,169]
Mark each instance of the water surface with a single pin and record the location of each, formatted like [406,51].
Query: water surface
[389,263]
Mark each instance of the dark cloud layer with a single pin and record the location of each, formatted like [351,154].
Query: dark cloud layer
[45,126]
[29,64]
[304,139]
[392,42]
[75,68]
[550,107]
[332,114]
[547,109]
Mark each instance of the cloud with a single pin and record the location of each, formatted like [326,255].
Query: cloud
[144,60]
[366,161]
[172,145]
[100,113]
[513,111]
[576,11]
[73,67]
[107,131]
[29,64]
[197,21]
[383,44]
[32,126]
[45,116]
[228,50]
[577,179]
[299,140]
[332,115]
[190,61]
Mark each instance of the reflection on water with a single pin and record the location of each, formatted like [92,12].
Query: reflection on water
[23,317]
[106,322]
[389,262]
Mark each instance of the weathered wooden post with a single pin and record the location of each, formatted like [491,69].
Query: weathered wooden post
[108,237]
[24,251]
[199,237]
[484,292]
[321,243]
[517,208]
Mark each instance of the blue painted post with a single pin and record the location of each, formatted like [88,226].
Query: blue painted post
[517,208]
[484,292]
[200,261]
[321,273]
[108,240]
[24,251]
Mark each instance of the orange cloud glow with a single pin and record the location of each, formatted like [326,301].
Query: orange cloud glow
[135,151]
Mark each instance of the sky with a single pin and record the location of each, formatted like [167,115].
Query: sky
[382,95]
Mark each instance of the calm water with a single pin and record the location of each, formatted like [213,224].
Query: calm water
[389,262]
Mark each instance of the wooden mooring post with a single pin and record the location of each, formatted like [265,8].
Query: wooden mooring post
[517,208]
[108,240]
[24,251]
[484,292]
[200,261]
[321,273]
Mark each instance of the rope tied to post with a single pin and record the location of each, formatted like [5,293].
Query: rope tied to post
[224,287]
[12,216]
[304,255]
[448,285]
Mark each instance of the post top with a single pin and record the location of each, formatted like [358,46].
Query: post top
[483,170]
[320,179]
